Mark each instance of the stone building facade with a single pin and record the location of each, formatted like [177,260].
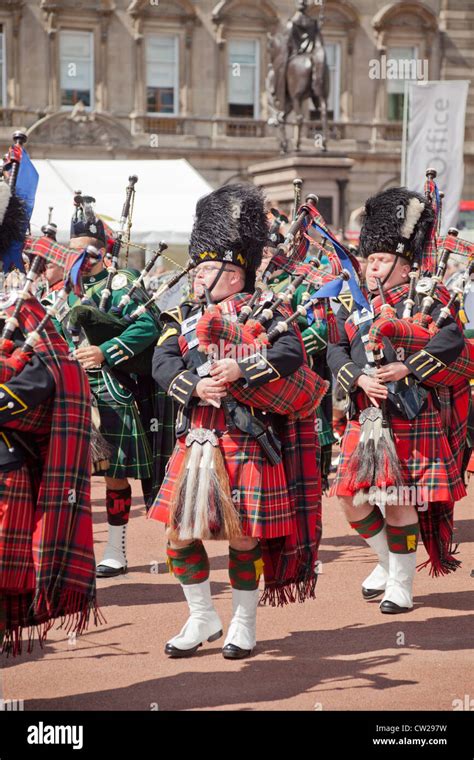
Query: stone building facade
[182,78]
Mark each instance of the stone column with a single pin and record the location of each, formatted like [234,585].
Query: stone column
[187,102]
[380,109]
[101,67]
[221,72]
[139,108]
[350,77]
[53,65]
[15,78]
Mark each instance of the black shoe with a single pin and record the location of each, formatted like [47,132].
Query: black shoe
[390,608]
[104,571]
[371,593]
[233,652]
[173,651]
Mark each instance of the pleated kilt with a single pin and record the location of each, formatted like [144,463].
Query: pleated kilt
[259,490]
[423,450]
[122,428]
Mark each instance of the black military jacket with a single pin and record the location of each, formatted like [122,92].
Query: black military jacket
[347,358]
[30,388]
[178,375]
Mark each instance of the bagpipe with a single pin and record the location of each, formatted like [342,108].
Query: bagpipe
[99,326]
[412,333]
[101,323]
[299,394]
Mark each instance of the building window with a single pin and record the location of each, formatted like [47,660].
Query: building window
[333,56]
[162,74]
[76,68]
[396,86]
[243,78]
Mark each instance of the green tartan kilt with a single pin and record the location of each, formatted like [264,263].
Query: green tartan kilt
[122,428]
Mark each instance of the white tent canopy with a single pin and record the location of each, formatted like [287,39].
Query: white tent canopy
[165,200]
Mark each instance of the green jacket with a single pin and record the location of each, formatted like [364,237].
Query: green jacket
[137,336]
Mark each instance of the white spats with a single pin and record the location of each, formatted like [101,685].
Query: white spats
[377,580]
[399,589]
[203,623]
[243,626]
[114,561]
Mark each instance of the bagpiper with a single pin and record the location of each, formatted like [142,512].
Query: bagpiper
[47,566]
[122,404]
[237,473]
[394,414]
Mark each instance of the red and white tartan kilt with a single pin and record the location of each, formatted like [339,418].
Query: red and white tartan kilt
[424,453]
[259,490]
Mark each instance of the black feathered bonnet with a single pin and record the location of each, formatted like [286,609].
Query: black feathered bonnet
[396,221]
[231,226]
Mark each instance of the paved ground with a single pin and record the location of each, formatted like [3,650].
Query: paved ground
[335,653]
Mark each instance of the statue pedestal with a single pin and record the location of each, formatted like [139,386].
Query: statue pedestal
[326,175]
